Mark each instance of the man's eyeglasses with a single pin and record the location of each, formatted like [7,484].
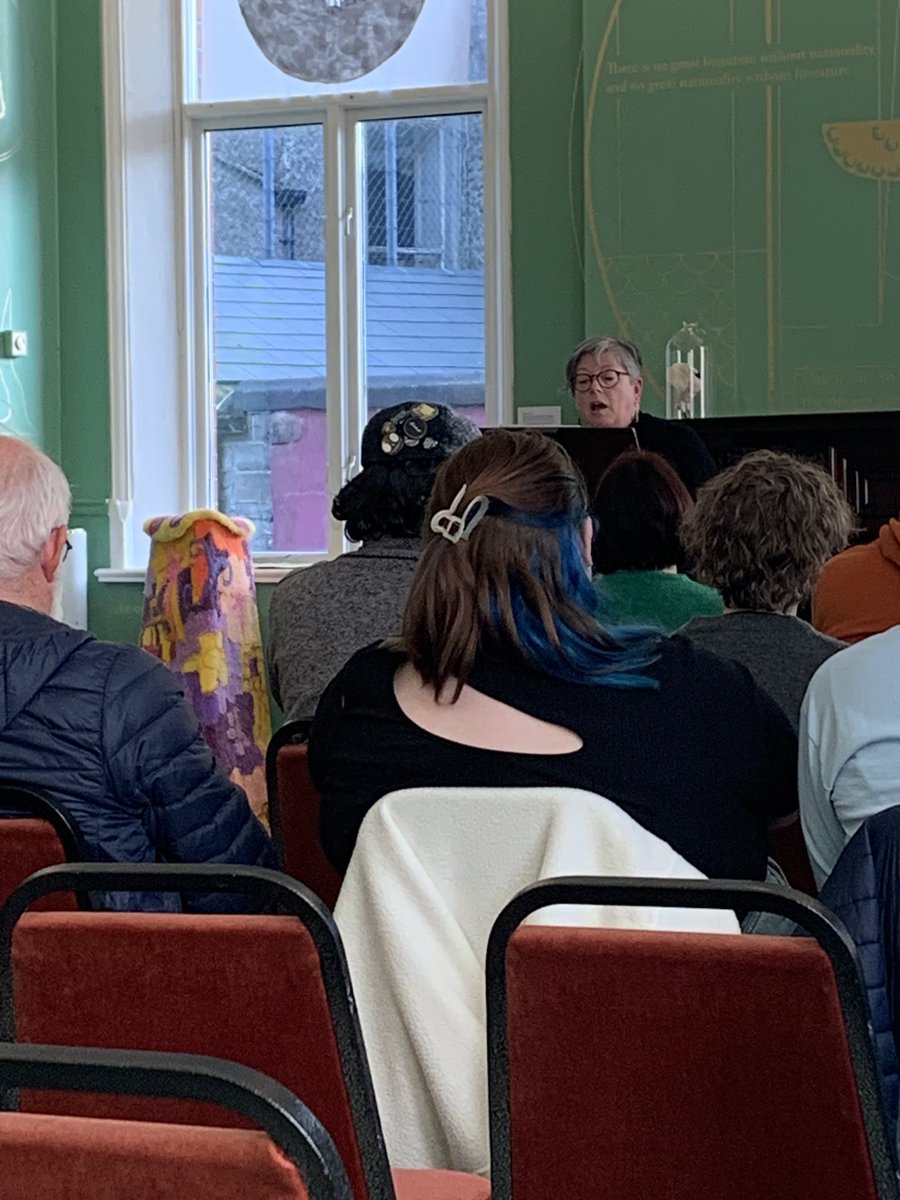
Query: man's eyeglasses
[65,553]
[606,379]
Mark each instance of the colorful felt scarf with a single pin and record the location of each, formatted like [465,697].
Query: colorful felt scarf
[201,619]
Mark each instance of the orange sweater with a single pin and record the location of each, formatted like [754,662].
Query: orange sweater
[858,592]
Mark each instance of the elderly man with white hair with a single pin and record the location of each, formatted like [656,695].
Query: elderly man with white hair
[99,728]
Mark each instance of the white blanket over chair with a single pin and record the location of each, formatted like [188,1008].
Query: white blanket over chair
[430,873]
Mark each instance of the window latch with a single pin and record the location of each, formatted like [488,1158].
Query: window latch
[348,218]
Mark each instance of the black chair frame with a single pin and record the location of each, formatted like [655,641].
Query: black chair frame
[743,897]
[290,733]
[277,892]
[22,802]
[25,803]
[286,1120]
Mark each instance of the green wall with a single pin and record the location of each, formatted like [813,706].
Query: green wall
[739,173]
[546,134]
[82,306]
[82,268]
[52,252]
[29,266]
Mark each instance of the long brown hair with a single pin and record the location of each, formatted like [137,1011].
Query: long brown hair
[518,580]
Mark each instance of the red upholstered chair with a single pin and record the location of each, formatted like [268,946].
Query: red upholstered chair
[632,1064]
[289,1157]
[294,812]
[271,992]
[41,835]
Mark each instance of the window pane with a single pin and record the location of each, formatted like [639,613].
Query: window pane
[423,262]
[255,49]
[268,335]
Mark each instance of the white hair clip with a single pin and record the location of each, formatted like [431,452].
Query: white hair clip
[456,528]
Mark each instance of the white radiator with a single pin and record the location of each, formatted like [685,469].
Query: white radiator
[72,586]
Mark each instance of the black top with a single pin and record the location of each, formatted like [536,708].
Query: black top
[702,761]
[593,450]
[679,444]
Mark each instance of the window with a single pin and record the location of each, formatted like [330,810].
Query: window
[335,211]
[268,335]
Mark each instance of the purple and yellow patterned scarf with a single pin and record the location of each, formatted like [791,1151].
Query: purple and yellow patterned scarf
[201,619]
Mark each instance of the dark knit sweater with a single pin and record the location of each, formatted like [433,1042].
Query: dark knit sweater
[782,653]
[321,615]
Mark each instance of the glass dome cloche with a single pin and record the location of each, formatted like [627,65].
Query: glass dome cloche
[689,373]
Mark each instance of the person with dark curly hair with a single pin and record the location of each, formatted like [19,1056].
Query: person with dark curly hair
[638,506]
[320,615]
[760,533]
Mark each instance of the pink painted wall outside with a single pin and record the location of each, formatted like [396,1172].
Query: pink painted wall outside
[300,499]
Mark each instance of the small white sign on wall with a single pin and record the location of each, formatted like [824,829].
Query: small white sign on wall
[540,416]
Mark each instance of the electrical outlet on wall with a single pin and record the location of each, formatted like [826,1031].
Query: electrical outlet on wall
[13,343]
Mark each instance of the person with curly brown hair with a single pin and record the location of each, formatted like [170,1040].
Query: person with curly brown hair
[760,533]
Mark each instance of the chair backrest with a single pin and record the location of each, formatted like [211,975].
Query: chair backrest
[290,1157]
[635,1064]
[39,834]
[271,992]
[294,806]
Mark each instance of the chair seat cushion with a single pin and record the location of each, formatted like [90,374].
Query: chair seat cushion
[83,1158]
[411,1184]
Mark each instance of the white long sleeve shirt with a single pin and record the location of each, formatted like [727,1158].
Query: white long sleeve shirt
[849,764]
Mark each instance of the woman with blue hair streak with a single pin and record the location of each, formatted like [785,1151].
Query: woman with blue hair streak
[504,677]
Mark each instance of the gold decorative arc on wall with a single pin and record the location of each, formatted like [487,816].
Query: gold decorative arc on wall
[867,149]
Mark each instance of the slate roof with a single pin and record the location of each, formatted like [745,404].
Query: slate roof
[424,327]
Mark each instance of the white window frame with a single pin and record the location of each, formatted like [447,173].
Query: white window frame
[157,265]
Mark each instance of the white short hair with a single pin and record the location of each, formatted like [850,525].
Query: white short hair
[34,500]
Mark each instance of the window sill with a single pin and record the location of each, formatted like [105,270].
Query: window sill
[268,573]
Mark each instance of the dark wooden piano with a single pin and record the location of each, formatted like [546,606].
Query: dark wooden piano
[861,450]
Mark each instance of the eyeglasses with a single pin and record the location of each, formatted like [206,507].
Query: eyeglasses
[606,379]
[65,554]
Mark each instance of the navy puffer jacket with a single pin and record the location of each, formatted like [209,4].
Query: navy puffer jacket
[864,891]
[105,730]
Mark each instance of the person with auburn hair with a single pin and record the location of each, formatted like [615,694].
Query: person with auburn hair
[760,533]
[503,677]
[638,505]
